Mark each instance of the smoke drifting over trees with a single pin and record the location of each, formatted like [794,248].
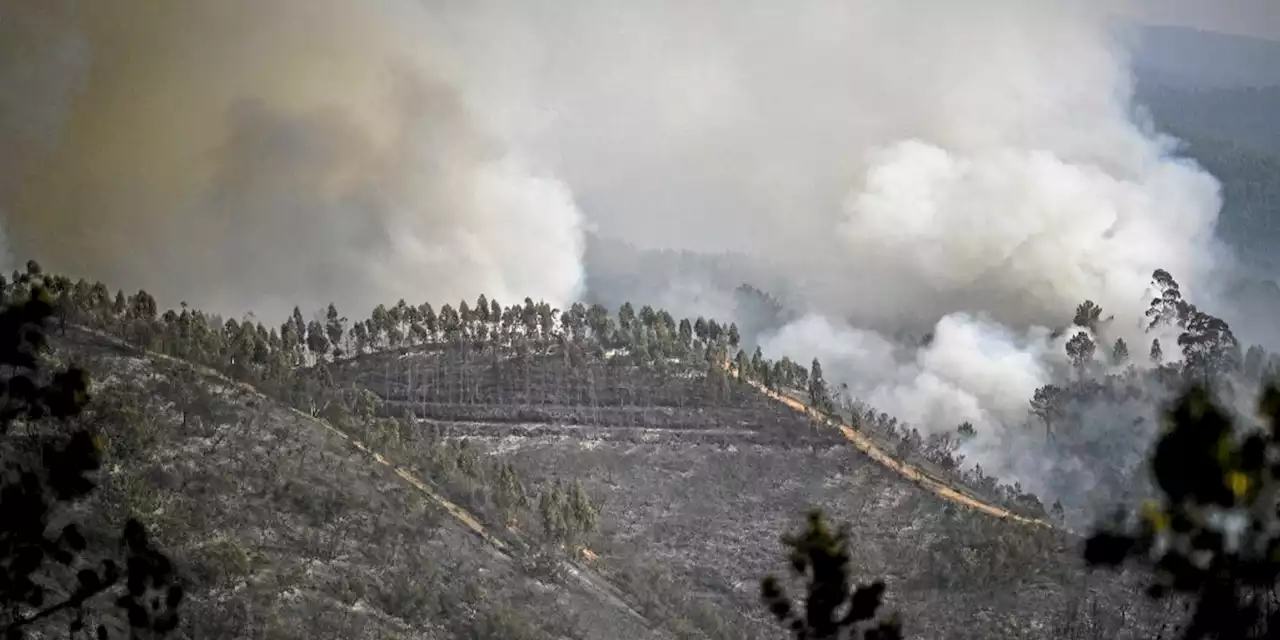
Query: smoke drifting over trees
[248,156]
[972,172]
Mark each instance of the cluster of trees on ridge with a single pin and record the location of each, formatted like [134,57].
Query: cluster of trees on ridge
[559,514]
[1100,415]
[288,362]
[1208,535]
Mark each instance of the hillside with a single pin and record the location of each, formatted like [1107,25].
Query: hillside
[290,529]
[1220,94]
[504,477]
[1198,59]
[696,488]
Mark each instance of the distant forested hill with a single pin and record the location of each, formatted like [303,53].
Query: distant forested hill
[1217,93]
[1250,219]
[1235,135]
[1220,94]
[1248,117]
[1192,59]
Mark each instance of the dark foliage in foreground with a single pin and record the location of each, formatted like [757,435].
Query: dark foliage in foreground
[1212,542]
[51,572]
[820,556]
[1207,471]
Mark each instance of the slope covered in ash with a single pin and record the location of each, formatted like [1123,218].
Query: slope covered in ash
[526,472]
[286,528]
[697,475]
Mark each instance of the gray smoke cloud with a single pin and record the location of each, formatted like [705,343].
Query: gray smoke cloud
[974,170]
[895,159]
[41,63]
[246,155]
[971,169]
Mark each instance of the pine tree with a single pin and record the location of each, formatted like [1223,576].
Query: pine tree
[317,342]
[1087,316]
[426,316]
[686,333]
[299,326]
[335,327]
[1120,352]
[758,364]
[833,609]
[626,316]
[1080,349]
[818,396]
[1048,405]
[700,328]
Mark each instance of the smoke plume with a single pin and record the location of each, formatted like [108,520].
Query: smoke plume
[247,155]
[972,170]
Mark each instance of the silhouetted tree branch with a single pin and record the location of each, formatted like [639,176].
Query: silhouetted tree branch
[832,609]
[33,494]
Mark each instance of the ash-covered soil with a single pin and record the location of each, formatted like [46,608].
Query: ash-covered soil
[285,529]
[698,479]
[290,526]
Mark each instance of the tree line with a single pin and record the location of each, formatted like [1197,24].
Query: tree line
[1101,409]
[288,361]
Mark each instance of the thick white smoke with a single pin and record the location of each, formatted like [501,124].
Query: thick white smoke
[1027,233]
[972,169]
[1036,191]
[973,370]
[976,165]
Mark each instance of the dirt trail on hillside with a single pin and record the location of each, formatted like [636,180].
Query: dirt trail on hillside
[592,583]
[908,471]
[920,477]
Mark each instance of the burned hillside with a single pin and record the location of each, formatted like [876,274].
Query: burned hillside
[565,457]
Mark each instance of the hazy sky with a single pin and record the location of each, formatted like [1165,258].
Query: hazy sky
[248,154]
[1258,18]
